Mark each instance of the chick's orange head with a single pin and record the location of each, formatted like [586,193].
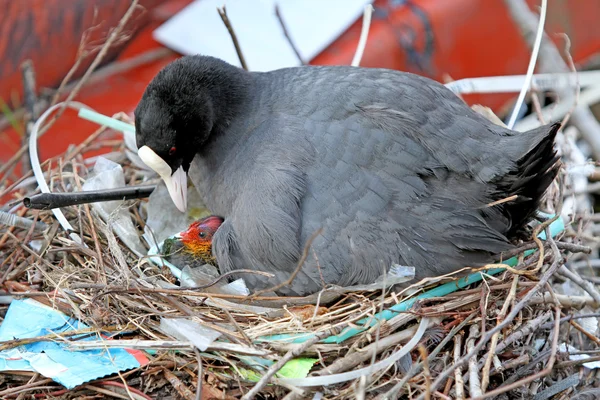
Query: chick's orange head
[197,239]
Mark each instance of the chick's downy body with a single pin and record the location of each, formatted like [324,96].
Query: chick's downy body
[394,167]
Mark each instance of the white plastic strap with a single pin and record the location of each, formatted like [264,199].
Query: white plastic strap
[37,168]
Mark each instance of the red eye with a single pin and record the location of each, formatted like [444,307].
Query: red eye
[172,150]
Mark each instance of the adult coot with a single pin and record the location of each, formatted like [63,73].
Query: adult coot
[393,166]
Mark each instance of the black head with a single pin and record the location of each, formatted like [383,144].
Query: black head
[186,102]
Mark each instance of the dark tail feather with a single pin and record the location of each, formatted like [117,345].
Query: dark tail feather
[534,173]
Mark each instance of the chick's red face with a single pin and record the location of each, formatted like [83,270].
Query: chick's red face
[197,239]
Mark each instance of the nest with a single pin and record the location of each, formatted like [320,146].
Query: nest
[500,336]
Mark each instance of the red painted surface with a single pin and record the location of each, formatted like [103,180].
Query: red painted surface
[461,38]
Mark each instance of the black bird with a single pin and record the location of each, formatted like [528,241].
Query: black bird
[393,166]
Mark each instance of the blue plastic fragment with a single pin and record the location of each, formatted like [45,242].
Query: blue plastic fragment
[30,319]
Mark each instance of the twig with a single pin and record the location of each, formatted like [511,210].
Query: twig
[554,345]
[287,34]
[223,13]
[97,76]
[161,344]
[354,359]
[426,372]
[29,92]
[544,372]
[295,352]
[474,383]
[199,384]
[585,332]
[112,37]
[460,384]
[178,385]
[516,309]
[296,271]
[525,330]
[582,283]
[15,390]
[364,34]
[393,392]
[571,66]
[82,54]
[488,362]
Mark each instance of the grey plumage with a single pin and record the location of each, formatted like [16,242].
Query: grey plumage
[393,166]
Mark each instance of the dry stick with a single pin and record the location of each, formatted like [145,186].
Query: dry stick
[488,362]
[459,387]
[354,359]
[111,39]
[223,276]
[296,271]
[574,363]
[81,55]
[542,373]
[582,283]
[30,99]
[577,302]
[238,327]
[223,14]
[525,330]
[571,247]
[295,352]
[571,66]
[74,307]
[474,383]
[88,213]
[554,348]
[287,34]
[15,390]
[199,384]
[426,372]
[585,332]
[392,393]
[516,310]
[178,385]
[99,75]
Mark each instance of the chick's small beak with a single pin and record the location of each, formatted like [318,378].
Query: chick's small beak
[176,182]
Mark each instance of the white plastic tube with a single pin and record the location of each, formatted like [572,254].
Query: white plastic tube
[350,375]
[531,67]
[37,168]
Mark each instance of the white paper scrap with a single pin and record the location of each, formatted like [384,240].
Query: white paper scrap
[312,25]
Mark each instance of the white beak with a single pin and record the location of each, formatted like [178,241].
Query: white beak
[176,182]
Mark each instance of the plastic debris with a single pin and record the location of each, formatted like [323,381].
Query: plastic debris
[297,368]
[20,222]
[109,175]
[165,220]
[395,275]
[567,348]
[189,330]
[53,359]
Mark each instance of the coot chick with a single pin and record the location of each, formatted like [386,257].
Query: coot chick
[393,166]
[193,247]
